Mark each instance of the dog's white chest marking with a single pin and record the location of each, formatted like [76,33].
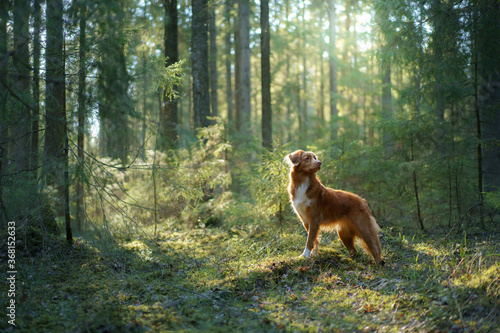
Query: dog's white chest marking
[301,201]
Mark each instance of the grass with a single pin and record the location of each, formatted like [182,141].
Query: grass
[248,279]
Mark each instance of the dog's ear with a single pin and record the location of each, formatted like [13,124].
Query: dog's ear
[294,158]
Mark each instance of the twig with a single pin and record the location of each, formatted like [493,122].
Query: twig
[109,165]
[453,273]
[22,136]
[20,171]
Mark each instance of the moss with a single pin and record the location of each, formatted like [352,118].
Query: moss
[39,231]
[242,280]
[44,219]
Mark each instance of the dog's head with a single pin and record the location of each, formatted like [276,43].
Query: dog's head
[303,161]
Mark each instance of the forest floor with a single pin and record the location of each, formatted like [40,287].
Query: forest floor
[249,279]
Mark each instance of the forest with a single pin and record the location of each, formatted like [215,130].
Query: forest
[143,185]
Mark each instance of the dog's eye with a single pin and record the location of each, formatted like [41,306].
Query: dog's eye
[307,158]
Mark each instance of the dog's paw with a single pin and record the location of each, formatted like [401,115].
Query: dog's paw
[305,254]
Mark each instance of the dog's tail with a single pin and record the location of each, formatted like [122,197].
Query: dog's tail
[375,225]
[371,242]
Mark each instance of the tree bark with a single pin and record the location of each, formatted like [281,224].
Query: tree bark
[438,41]
[320,114]
[35,118]
[199,60]
[237,73]
[333,70]
[303,93]
[213,63]
[115,104]
[55,115]
[82,116]
[267,137]
[488,64]
[4,18]
[415,188]
[169,120]
[21,60]
[244,84]
[228,5]
[387,104]
[56,140]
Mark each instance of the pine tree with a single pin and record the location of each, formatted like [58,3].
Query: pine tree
[213,62]
[486,48]
[332,61]
[243,83]
[266,76]
[115,105]
[199,62]
[228,5]
[56,132]
[169,118]
[55,103]
[21,57]
[35,118]
[82,114]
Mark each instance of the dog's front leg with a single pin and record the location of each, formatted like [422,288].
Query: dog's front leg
[312,242]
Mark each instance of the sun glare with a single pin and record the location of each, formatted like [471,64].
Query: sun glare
[364,27]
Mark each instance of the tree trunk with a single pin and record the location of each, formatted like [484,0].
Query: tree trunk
[199,60]
[346,68]
[387,104]
[115,105]
[35,119]
[488,117]
[56,154]
[213,63]
[169,120]
[333,70]
[288,132]
[321,107]
[82,116]
[228,5]
[55,116]
[304,131]
[4,18]
[21,60]
[237,73]
[415,187]
[144,108]
[438,41]
[266,76]
[244,85]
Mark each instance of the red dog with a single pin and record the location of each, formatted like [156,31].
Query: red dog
[322,208]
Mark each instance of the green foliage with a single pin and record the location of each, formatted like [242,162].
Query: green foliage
[165,77]
[492,199]
[201,177]
[191,187]
[32,211]
[267,185]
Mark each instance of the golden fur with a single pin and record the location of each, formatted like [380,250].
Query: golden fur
[322,208]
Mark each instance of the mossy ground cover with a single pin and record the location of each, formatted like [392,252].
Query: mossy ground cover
[249,279]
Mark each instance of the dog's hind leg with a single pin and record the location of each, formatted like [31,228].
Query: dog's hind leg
[347,238]
[369,235]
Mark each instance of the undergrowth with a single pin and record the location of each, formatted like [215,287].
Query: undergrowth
[248,278]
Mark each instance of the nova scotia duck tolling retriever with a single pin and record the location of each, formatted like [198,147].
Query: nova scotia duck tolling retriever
[321,208]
